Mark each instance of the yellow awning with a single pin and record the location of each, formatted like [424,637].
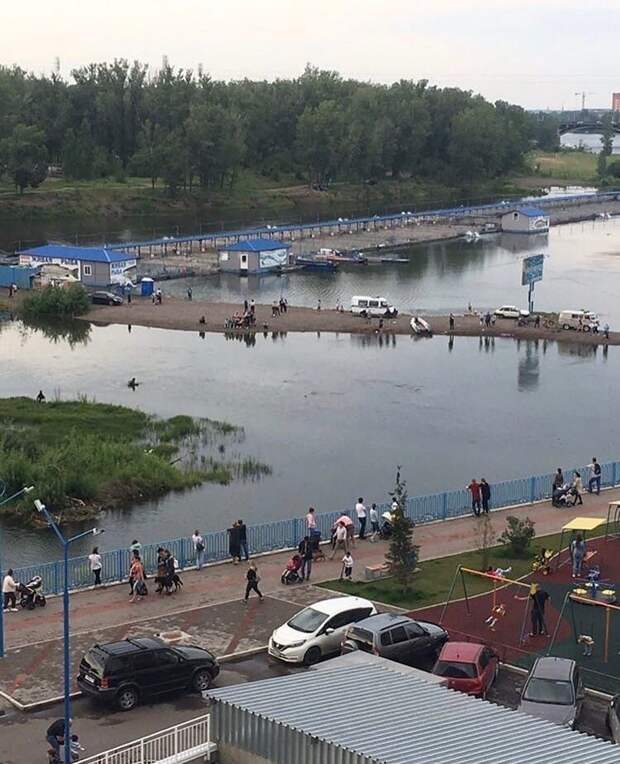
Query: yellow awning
[584,523]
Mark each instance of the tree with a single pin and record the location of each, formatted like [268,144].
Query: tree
[174,161]
[518,535]
[484,537]
[149,157]
[607,141]
[23,155]
[320,140]
[402,555]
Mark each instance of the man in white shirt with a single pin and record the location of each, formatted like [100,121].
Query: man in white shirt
[340,539]
[374,522]
[199,548]
[312,530]
[360,510]
[9,589]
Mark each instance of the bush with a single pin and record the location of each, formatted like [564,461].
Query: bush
[55,301]
[518,535]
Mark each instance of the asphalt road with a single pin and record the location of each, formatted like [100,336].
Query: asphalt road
[22,735]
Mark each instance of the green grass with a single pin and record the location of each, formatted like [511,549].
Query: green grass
[432,584]
[82,455]
[574,166]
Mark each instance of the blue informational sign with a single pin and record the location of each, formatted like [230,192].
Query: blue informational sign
[532,269]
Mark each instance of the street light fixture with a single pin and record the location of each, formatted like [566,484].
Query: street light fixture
[66,543]
[26,489]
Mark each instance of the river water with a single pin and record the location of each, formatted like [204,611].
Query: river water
[334,414]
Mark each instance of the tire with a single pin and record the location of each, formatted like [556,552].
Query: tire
[565,326]
[201,680]
[127,698]
[312,656]
[41,602]
[586,328]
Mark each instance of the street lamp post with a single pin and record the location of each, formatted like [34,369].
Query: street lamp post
[66,543]
[24,490]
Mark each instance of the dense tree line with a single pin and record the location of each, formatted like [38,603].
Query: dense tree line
[185,129]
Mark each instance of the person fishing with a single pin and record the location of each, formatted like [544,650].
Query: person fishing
[132,383]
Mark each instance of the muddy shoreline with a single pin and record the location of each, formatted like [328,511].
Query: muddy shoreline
[185,315]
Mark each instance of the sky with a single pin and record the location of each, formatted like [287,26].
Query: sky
[537,53]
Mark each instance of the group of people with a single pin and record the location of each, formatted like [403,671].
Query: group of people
[238,541]
[480,496]
[278,307]
[55,738]
[564,493]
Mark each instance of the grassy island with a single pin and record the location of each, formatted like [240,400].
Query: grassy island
[83,456]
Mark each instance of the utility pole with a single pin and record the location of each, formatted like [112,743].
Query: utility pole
[583,95]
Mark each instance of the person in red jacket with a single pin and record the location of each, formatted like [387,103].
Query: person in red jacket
[474,489]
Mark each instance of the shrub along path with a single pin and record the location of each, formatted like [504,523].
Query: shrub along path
[95,610]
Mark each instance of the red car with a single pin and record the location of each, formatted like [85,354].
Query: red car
[468,667]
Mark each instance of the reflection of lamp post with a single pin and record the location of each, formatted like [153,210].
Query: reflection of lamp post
[65,609]
[24,490]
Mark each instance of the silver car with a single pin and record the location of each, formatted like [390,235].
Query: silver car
[553,691]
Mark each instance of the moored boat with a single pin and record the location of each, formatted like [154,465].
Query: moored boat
[309,263]
[420,326]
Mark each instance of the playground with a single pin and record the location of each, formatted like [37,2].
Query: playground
[580,619]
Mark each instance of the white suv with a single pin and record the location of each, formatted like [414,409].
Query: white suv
[317,631]
[511,311]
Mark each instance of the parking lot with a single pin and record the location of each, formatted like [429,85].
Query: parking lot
[22,735]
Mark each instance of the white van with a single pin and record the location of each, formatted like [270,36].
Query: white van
[581,320]
[371,306]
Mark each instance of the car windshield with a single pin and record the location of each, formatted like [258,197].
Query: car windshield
[307,621]
[455,670]
[548,691]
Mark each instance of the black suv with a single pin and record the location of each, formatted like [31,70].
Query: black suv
[123,672]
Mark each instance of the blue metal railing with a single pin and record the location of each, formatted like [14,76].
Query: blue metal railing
[286,534]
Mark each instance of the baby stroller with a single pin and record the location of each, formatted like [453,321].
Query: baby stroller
[385,532]
[290,575]
[32,593]
[564,496]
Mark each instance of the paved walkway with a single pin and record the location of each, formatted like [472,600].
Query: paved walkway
[209,607]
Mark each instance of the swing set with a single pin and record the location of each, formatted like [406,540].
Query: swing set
[498,608]
[570,600]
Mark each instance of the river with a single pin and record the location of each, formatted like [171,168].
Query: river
[333,415]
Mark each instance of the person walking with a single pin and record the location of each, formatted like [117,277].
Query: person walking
[9,592]
[474,489]
[451,322]
[360,511]
[577,488]
[577,553]
[243,539]
[199,548]
[252,580]
[234,545]
[485,495]
[94,559]
[190,293]
[347,566]
[136,577]
[305,550]
[340,539]
[595,476]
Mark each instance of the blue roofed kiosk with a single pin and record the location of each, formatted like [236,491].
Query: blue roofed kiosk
[93,266]
[525,220]
[254,256]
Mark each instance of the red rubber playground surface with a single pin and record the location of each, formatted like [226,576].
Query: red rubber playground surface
[510,637]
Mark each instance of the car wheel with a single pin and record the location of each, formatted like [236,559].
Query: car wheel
[127,698]
[312,656]
[586,328]
[565,326]
[202,680]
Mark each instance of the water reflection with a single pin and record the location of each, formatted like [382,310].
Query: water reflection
[529,367]
[72,331]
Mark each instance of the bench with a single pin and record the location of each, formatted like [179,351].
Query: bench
[373,572]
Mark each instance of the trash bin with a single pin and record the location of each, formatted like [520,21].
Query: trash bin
[147,286]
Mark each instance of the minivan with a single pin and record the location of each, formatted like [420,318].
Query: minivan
[581,320]
[372,306]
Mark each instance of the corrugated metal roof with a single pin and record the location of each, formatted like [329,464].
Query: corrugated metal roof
[88,254]
[256,245]
[379,712]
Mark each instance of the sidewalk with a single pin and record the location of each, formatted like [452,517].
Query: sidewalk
[209,607]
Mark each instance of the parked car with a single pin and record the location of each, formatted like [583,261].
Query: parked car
[106,298]
[511,311]
[127,671]
[581,320]
[317,631]
[613,718]
[396,637]
[468,667]
[372,306]
[553,691]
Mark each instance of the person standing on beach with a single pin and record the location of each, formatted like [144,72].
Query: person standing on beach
[474,489]
[252,307]
[252,579]
[318,305]
[360,511]
[243,539]
[451,322]
[94,559]
[485,495]
[199,548]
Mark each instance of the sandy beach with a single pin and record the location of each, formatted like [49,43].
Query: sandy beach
[185,315]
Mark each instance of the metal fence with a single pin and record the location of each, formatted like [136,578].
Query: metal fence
[182,743]
[286,534]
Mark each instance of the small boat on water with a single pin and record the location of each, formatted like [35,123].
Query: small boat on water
[420,326]
[310,263]
[334,256]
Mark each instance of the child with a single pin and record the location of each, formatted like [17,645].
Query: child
[347,565]
[499,611]
[588,644]
[76,748]
[498,572]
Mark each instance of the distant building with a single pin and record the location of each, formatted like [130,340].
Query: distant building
[21,277]
[254,256]
[525,220]
[93,266]
[615,101]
